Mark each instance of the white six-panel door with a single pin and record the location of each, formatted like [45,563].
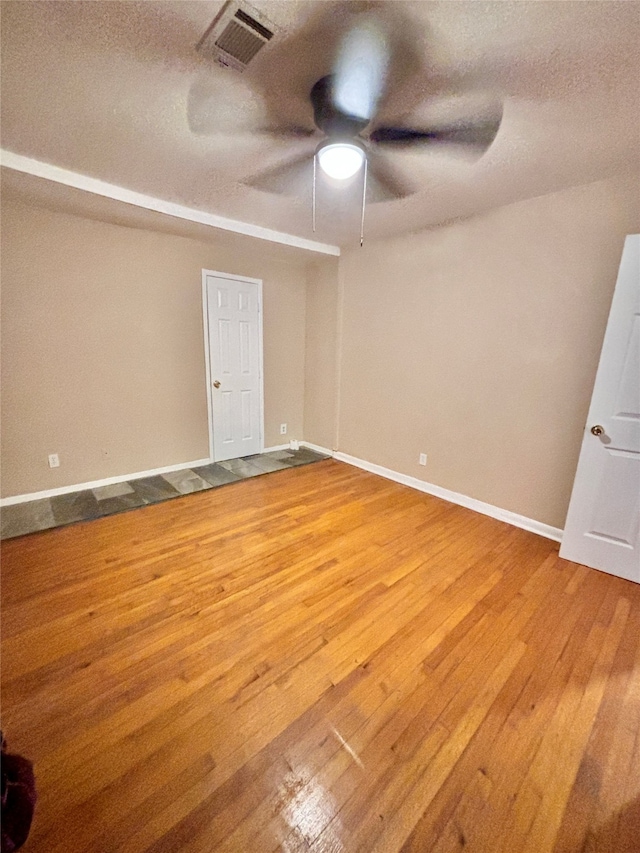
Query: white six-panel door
[233,313]
[603,522]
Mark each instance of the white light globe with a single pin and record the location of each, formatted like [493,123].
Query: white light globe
[340,159]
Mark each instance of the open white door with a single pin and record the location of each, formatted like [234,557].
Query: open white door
[603,523]
[233,341]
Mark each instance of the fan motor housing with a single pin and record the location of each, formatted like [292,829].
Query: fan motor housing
[327,117]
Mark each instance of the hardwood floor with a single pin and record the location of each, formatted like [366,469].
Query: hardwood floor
[320,660]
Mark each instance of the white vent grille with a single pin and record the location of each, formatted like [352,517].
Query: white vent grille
[236,35]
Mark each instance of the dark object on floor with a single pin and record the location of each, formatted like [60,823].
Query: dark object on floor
[18,799]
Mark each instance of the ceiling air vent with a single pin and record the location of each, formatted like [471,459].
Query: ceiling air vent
[236,34]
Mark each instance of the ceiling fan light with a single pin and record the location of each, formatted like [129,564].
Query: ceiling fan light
[341,160]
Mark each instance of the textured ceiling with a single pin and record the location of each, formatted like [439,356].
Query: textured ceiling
[116,91]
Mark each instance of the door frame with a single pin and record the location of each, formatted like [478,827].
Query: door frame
[207,351]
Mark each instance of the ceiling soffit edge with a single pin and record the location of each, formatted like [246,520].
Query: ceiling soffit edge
[48,171]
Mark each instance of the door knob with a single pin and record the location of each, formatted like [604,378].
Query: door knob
[597,430]
[216,384]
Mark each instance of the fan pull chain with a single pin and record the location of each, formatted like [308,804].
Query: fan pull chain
[313,195]
[364,196]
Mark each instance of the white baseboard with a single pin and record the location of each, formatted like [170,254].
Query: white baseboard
[455,497]
[94,484]
[317,448]
[308,444]
[413,482]
[108,481]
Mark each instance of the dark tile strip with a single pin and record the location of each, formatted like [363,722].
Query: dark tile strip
[76,506]
[33,516]
[153,489]
[216,475]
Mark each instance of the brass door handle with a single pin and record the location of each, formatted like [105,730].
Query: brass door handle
[216,384]
[597,430]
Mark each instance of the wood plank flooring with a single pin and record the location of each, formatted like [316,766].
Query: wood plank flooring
[320,660]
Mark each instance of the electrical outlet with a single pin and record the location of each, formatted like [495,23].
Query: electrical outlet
[54,460]
[423,459]
[283,429]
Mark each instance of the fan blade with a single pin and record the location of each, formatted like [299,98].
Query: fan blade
[383,183]
[361,69]
[291,178]
[293,131]
[236,108]
[478,135]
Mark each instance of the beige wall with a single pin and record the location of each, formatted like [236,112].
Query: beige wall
[475,343]
[102,346]
[321,354]
[478,343]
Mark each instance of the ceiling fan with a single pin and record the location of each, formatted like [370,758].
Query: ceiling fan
[345,104]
